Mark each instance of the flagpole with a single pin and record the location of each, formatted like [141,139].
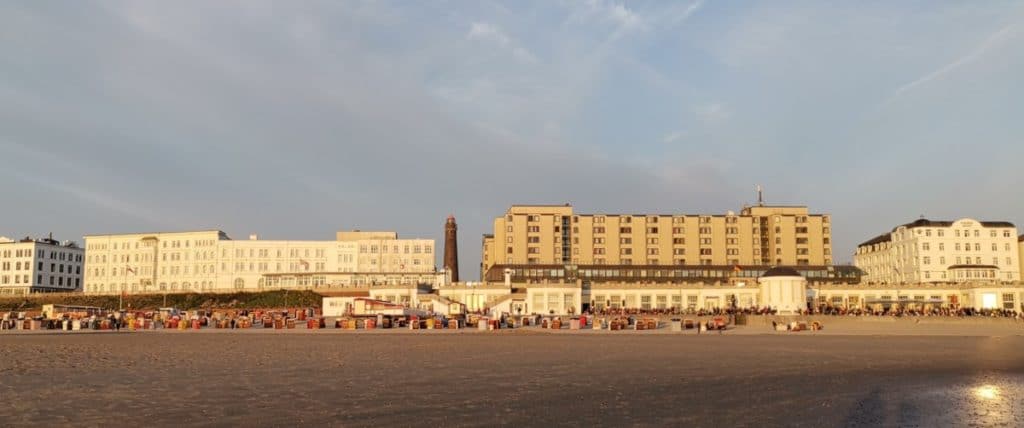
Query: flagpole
[120,296]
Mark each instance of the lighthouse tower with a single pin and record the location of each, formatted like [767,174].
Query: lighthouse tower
[451,248]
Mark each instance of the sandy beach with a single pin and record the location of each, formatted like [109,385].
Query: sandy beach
[511,377]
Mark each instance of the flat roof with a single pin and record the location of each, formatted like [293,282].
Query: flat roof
[157,233]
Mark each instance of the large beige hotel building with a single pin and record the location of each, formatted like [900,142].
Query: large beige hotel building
[197,261]
[927,251]
[758,235]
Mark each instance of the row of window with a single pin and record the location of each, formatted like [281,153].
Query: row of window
[675,230]
[927,260]
[54,267]
[966,233]
[57,281]
[42,254]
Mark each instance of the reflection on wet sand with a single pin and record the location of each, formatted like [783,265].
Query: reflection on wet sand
[987,392]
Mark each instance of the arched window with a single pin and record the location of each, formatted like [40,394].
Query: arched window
[262,283]
[239,283]
[163,286]
[186,286]
[174,286]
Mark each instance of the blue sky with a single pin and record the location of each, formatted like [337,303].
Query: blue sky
[296,119]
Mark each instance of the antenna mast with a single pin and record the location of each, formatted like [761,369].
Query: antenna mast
[760,196]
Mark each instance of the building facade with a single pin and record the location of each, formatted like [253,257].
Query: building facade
[1020,251]
[926,251]
[783,289]
[758,235]
[39,266]
[207,261]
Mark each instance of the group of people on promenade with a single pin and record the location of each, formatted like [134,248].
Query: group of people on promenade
[825,309]
[898,311]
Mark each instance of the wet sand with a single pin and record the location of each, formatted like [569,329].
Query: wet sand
[509,378]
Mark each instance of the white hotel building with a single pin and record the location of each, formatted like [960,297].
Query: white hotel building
[39,266]
[927,251]
[210,261]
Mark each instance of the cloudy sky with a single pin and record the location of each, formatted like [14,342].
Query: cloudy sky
[296,119]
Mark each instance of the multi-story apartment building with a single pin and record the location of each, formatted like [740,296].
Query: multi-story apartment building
[758,236]
[942,251]
[39,265]
[1020,244]
[212,261]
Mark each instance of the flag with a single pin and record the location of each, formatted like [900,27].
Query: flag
[128,269]
[736,268]
[304,263]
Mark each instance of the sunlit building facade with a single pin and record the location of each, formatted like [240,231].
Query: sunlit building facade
[760,235]
[39,266]
[926,251]
[202,261]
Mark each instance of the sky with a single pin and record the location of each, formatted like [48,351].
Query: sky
[297,119]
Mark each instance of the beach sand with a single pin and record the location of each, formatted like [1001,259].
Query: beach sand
[520,377]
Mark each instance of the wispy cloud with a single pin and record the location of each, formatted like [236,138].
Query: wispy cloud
[483,31]
[992,41]
[688,12]
[711,113]
[672,137]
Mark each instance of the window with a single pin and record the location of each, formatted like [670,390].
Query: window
[625,241]
[705,251]
[625,230]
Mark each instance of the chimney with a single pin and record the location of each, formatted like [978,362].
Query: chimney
[451,248]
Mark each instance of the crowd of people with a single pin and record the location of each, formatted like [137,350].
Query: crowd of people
[825,309]
[914,311]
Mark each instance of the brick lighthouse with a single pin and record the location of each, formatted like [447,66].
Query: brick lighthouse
[451,248]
